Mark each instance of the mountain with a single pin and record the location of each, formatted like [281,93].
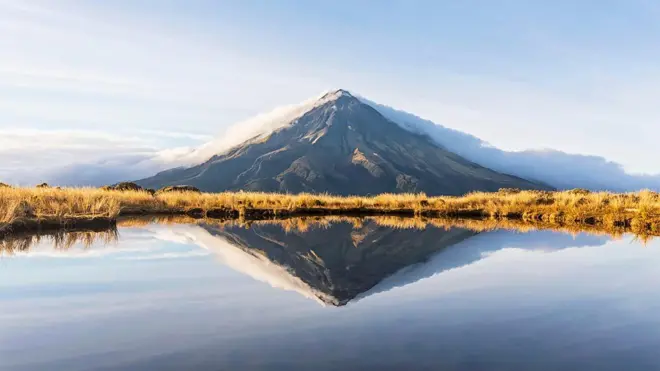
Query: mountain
[340,145]
[333,264]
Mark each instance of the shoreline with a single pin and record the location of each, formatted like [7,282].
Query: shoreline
[472,219]
[25,210]
[109,232]
[44,225]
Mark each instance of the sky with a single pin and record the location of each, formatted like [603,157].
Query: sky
[82,79]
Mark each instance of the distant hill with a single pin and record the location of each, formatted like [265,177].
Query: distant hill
[343,146]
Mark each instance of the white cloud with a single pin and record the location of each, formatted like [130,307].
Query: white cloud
[560,169]
[611,118]
[75,157]
[69,67]
[96,158]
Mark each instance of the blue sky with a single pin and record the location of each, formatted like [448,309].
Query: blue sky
[79,79]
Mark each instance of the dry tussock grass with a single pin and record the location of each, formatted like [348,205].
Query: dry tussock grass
[640,210]
[570,203]
[56,203]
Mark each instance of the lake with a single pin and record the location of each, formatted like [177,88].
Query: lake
[339,296]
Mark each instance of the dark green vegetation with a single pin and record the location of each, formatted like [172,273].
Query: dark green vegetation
[132,186]
[178,188]
[341,147]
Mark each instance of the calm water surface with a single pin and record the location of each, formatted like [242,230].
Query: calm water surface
[345,297]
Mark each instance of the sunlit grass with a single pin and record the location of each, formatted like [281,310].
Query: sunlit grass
[639,210]
[25,203]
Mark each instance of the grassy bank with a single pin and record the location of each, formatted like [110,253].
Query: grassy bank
[87,237]
[50,207]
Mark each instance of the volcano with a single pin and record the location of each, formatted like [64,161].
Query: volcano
[340,145]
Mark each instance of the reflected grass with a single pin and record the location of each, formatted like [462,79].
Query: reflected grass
[59,240]
[63,239]
[305,223]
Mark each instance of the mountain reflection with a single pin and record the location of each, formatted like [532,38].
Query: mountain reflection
[331,260]
[342,262]
[335,263]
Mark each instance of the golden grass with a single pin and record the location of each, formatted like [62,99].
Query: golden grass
[638,211]
[55,203]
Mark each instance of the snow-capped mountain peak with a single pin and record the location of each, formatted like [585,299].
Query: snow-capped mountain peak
[256,127]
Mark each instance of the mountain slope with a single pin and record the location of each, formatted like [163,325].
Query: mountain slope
[341,146]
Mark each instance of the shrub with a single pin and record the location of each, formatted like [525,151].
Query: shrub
[179,188]
[579,191]
[126,186]
[509,191]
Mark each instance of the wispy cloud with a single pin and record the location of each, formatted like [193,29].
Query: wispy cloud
[69,157]
[557,168]
[81,68]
